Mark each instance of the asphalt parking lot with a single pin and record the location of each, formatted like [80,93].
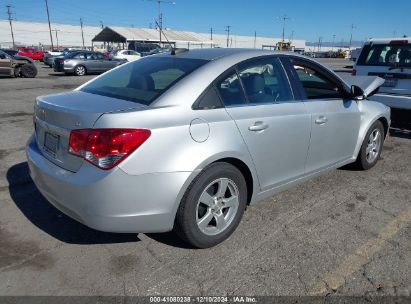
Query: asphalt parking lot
[345,233]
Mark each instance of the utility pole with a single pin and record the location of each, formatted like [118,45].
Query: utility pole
[11,24]
[284,18]
[48,17]
[211,33]
[57,38]
[255,39]
[160,15]
[320,39]
[102,25]
[352,29]
[82,34]
[228,33]
[333,42]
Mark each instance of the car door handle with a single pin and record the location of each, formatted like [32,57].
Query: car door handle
[258,126]
[321,120]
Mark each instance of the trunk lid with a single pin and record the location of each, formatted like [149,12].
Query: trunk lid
[56,115]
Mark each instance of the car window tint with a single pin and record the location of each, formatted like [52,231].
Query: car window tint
[316,85]
[209,100]
[385,55]
[231,91]
[143,80]
[265,82]
[80,56]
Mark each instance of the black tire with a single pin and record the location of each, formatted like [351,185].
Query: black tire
[363,162]
[186,219]
[16,72]
[28,70]
[80,70]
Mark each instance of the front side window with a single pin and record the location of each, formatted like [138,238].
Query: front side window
[143,80]
[315,82]
[265,82]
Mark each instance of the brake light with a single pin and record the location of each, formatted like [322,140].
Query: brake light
[106,148]
[398,42]
[354,72]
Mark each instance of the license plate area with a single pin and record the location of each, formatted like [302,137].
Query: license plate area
[51,143]
[390,83]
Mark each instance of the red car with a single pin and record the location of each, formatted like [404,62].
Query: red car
[31,53]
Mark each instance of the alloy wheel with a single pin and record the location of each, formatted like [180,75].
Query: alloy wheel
[373,145]
[217,206]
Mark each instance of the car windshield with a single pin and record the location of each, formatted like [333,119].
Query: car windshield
[144,80]
[386,55]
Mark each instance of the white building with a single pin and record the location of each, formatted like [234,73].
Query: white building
[37,34]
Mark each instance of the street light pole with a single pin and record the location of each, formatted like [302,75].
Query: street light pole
[333,42]
[48,17]
[284,18]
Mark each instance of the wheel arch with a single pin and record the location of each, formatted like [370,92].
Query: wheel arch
[245,171]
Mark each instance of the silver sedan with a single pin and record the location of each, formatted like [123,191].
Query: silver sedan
[185,141]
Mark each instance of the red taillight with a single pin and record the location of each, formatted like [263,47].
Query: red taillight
[106,148]
[354,72]
[398,42]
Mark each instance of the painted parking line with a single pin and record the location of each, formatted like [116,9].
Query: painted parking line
[361,256]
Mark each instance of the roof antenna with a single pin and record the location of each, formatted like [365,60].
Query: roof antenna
[174,51]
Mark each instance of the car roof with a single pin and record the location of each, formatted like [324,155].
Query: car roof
[218,53]
[387,40]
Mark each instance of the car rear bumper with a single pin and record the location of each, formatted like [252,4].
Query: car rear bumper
[111,201]
[393,101]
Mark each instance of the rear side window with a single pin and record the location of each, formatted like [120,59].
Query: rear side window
[385,55]
[143,80]
[231,91]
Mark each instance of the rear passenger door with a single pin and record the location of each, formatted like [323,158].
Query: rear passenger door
[274,125]
[335,120]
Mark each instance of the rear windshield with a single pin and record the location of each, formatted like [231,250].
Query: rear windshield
[385,55]
[143,80]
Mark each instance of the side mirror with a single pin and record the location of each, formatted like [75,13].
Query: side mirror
[357,93]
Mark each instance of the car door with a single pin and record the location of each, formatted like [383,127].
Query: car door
[5,64]
[335,120]
[274,125]
[103,63]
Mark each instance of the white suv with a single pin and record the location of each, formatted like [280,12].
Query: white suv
[391,60]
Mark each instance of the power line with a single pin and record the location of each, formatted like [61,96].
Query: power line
[48,17]
[11,24]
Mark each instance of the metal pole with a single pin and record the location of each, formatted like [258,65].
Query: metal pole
[11,25]
[211,33]
[160,18]
[57,38]
[255,39]
[228,33]
[352,29]
[48,17]
[82,34]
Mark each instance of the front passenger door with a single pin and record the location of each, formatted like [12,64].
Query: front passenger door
[274,126]
[5,65]
[335,120]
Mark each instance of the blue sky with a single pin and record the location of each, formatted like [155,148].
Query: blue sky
[308,19]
